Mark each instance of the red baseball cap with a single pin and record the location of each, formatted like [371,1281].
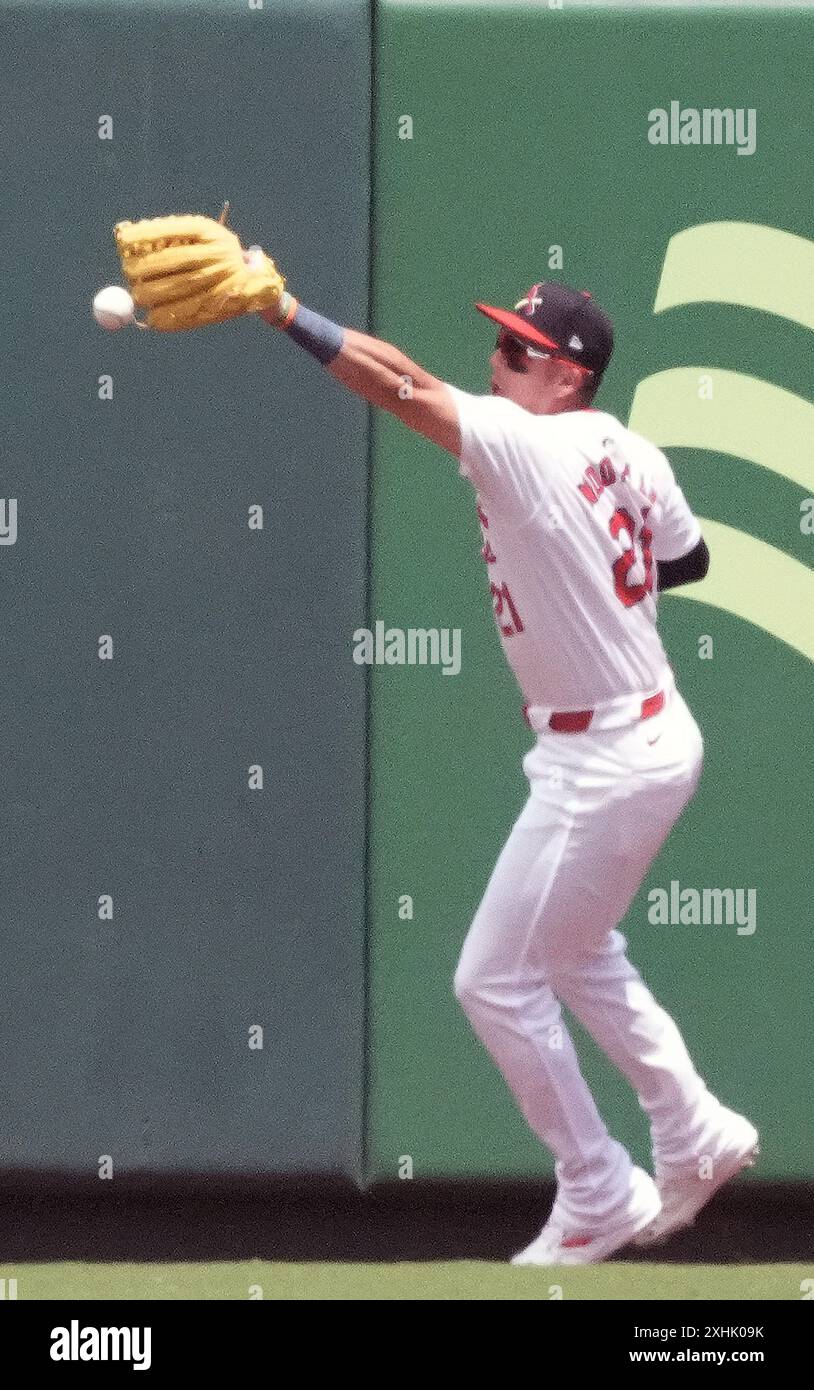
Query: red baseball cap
[567,321]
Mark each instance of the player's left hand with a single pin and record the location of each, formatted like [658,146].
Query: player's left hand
[188,271]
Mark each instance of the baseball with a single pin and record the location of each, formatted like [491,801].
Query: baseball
[113,307]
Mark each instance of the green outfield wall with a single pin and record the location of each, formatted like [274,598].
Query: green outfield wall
[135,779]
[513,144]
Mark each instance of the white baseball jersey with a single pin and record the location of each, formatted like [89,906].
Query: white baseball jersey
[575,510]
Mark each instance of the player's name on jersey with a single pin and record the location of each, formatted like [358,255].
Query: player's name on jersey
[711,125]
[408,646]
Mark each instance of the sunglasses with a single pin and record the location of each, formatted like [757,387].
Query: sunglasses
[515,353]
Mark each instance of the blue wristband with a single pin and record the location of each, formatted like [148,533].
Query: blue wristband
[319,336]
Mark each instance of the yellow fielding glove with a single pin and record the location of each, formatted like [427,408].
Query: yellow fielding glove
[189,270]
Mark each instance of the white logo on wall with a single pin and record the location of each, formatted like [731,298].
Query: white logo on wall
[709,126]
[744,417]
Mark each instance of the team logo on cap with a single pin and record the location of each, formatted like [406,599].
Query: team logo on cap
[532,300]
[575,343]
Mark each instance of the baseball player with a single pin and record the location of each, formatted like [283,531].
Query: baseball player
[583,524]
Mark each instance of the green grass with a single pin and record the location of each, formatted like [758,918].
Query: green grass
[459,1280]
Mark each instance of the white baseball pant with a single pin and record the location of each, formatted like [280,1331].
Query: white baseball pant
[601,805]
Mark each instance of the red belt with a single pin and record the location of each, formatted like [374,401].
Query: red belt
[577,721]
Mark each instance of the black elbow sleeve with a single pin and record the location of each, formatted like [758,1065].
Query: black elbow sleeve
[686,570]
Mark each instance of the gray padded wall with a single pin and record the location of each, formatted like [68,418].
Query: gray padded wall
[231,647]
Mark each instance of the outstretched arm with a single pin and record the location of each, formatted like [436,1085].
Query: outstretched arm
[378,372]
